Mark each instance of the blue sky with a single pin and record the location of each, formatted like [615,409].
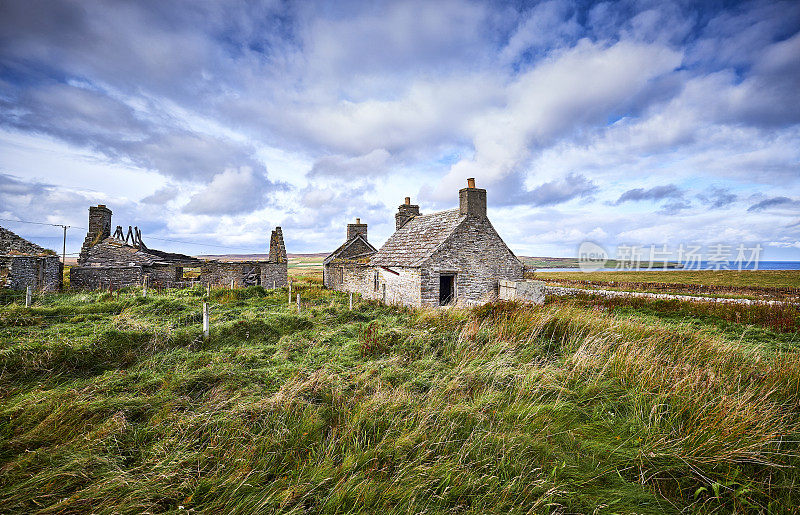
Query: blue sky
[631,123]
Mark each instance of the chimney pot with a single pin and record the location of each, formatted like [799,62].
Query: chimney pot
[471,182]
[408,201]
[358,220]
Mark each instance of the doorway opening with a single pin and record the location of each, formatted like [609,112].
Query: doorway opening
[447,289]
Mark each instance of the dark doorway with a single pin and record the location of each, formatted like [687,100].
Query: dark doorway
[447,288]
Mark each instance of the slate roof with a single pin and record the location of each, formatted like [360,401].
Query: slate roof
[344,246]
[418,239]
[115,252]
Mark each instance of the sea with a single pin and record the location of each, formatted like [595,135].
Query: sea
[695,265]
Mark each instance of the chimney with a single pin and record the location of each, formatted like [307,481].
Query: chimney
[472,200]
[277,250]
[356,228]
[99,229]
[99,222]
[405,212]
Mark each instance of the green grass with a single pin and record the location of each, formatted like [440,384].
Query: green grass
[112,403]
[745,278]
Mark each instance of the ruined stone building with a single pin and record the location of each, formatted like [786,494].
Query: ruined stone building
[272,273]
[119,260]
[23,264]
[452,257]
[123,259]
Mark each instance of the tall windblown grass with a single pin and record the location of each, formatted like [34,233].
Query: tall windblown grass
[502,408]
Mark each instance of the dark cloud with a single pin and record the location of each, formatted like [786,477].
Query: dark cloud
[563,190]
[669,191]
[674,207]
[715,197]
[161,196]
[775,202]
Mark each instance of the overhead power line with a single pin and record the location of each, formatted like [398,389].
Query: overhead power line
[41,223]
[65,227]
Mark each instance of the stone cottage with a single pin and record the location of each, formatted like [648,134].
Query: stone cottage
[351,257]
[23,264]
[452,257]
[123,259]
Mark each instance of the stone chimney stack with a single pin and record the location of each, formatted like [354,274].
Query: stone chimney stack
[356,228]
[472,200]
[405,212]
[99,229]
[100,221]
[277,250]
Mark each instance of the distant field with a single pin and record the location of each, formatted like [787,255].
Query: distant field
[565,262]
[745,278]
[308,265]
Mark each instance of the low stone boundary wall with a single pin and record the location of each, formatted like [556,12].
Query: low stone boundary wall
[563,291]
[527,291]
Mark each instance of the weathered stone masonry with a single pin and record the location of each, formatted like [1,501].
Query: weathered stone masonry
[273,272]
[119,260]
[451,257]
[23,264]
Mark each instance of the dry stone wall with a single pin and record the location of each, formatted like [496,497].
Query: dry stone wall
[40,272]
[94,278]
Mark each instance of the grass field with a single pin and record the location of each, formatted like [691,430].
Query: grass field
[745,278]
[113,403]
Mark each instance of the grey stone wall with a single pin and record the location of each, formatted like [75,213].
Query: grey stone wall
[162,276]
[401,285]
[528,291]
[478,257]
[244,273]
[274,273]
[93,278]
[40,272]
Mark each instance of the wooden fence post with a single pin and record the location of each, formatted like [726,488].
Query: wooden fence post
[351,301]
[231,284]
[144,286]
[298,303]
[384,293]
[205,320]
[208,290]
[28,296]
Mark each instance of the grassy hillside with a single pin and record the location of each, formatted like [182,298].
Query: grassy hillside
[115,403]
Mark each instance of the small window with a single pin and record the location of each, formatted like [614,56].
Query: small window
[376,280]
[447,289]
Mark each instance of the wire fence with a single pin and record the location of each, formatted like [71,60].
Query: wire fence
[140,309]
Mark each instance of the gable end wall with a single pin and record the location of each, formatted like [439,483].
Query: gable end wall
[479,257]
